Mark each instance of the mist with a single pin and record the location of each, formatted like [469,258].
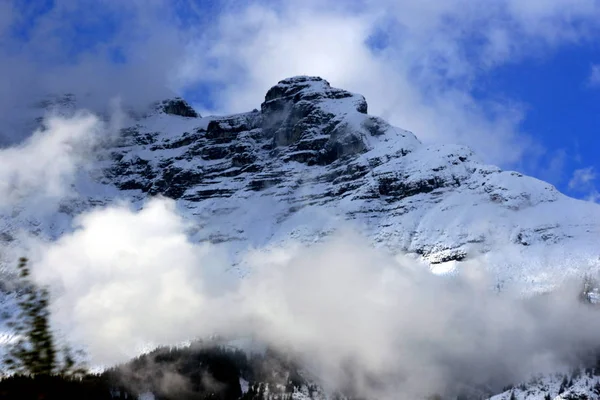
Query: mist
[125,280]
[40,171]
[41,59]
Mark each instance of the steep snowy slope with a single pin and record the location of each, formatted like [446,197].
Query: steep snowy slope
[312,157]
[312,160]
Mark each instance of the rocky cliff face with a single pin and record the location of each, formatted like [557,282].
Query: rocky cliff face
[312,157]
[312,160]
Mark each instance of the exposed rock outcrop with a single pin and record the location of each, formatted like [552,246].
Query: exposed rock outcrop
[178,106]
[312,157]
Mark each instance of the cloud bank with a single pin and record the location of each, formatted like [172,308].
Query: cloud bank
[125,279]
[96,51]
[420,65]
[42,169]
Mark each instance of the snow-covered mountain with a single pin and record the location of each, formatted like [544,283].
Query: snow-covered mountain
[312,161]
[579,384]
[311,158]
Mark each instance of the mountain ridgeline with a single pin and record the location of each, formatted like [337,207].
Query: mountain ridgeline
[309,162]
[311,158]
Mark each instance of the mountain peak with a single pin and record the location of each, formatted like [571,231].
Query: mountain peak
[312,151]
[310,88]
[315,122]
[177,106]
[297,85]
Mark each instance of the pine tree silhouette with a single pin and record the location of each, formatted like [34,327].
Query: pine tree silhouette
[34,353]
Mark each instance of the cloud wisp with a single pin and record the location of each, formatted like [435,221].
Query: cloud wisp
[417,64]
[42,169]
[583,181]
[126,279]
[96,52]
[594,78]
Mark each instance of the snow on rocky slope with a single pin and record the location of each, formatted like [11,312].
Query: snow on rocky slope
[580,384]
[312,157]
[312,160]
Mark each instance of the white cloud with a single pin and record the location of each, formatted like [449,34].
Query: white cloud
[554,171]
[593,196]
[420,81]
[127,278]
[43,167]
[582,179]
[122,280]
[54,58]
[594,78]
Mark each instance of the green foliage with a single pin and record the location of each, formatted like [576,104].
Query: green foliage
[35,353]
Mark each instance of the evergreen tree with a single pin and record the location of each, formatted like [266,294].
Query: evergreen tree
[562,388]
[34,353]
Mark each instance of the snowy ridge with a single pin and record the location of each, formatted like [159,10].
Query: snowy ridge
[312,160]
[580,384]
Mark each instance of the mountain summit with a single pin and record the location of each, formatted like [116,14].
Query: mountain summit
[312,160]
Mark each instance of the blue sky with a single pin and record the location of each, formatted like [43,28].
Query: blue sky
[562,108]
[512,80]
